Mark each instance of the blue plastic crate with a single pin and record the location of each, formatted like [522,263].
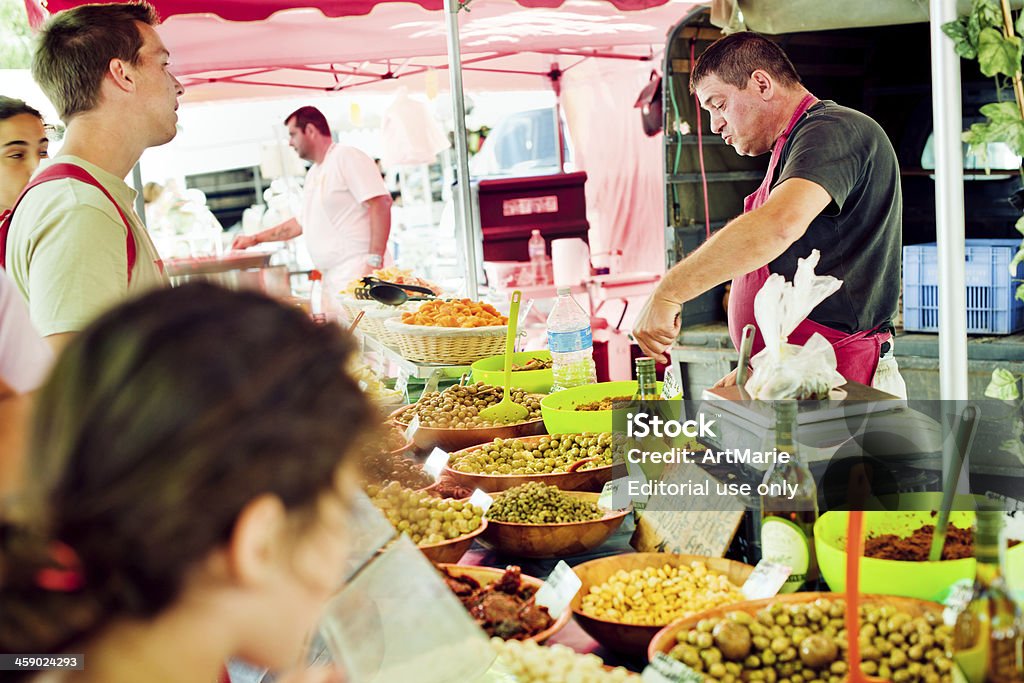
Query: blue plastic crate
[992,307]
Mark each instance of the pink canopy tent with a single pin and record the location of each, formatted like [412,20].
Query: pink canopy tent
[258,48]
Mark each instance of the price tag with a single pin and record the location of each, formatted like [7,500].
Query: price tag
[664,669]
[959,598]
[614,494]
[410,431]
[636,473]
[559,590]
[435,463]
[766,580]
[481,500]
[363,385]
[433,381]
[402,383]
[671,386]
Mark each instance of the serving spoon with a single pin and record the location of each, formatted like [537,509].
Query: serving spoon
[506,411]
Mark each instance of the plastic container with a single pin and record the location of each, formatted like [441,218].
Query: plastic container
[923,580]
[491,370]
[992,307]
[571,343]
[560,414]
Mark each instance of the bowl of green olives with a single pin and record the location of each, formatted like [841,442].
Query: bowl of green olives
[804,635]
[451,418]
[537,520]
[572,462]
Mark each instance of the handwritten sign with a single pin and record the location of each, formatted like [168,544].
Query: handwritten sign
[481,500]
[766,580]
[410,431]
[696,525]
[559,590]
[664,669]
[436,462]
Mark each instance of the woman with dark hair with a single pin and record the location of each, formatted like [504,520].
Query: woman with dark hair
[189,487]
[23,143]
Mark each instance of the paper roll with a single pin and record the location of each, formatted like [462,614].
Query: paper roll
[570,260]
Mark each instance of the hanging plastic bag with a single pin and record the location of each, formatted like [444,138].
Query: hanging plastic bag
[783,370]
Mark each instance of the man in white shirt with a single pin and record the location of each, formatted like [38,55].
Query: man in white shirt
[346,207]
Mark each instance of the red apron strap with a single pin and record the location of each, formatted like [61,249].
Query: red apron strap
[57,172]
[746,287]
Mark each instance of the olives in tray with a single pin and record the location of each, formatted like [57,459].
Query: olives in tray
[427,520]
[547,455]
[804,642]
[536,503]
[459,407]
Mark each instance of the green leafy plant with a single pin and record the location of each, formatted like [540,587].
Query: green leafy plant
[990,35]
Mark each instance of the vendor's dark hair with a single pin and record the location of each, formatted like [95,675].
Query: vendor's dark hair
[159,423]
[309,116]
[736,56]
[11,107]
[76,46]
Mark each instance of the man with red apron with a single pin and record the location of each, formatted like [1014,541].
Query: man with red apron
[832,184]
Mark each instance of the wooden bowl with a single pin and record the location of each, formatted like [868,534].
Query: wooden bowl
[632,639]
[453,549]
[553,540]
[581,480]
[450,440]
[406,446]
[486,575]
[665,639]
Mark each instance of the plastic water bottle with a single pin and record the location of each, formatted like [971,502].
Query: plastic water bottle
[538,258]
[571,343]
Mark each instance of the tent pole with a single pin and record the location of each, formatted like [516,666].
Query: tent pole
[463,216]
[947,117]
[949,206]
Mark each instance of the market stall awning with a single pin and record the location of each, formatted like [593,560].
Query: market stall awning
[225,49]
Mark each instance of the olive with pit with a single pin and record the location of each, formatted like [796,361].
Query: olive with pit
[733,639]
[818,651]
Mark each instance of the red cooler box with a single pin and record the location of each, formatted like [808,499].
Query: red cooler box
[509,209]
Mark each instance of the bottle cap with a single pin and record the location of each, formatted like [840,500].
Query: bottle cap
[315,275]
[644,362]
[563,290]
[536,231]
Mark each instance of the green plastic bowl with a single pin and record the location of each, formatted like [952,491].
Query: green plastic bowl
[923,580]
[560,416]
[491,370]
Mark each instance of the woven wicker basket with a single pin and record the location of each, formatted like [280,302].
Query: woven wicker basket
[448,345]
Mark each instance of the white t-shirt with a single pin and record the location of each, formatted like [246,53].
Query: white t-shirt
[334,219]
[25,359]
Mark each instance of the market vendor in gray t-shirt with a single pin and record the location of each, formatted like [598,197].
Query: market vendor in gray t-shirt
[832,184]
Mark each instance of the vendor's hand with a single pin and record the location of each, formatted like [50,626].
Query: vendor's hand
[244,242]
[316,674]
[657,327]
[730,379]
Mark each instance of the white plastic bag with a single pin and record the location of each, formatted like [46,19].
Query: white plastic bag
[783,370]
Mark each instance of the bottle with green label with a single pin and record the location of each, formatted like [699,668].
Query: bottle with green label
[789,506]
[988,638]
[644,401]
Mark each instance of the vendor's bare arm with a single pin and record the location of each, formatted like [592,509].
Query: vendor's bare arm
[283,231]
[748,242]
[379,209]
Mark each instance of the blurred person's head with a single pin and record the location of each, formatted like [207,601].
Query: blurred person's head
[308,133]
[23,142]
[191,451]
[748,85]
[110,59]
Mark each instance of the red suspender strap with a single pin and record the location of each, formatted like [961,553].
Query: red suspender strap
[57,172]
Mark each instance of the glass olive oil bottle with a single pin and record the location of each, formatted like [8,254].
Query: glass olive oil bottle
[789,506]
[988,638]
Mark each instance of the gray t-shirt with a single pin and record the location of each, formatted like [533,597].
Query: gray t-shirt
[860,232]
